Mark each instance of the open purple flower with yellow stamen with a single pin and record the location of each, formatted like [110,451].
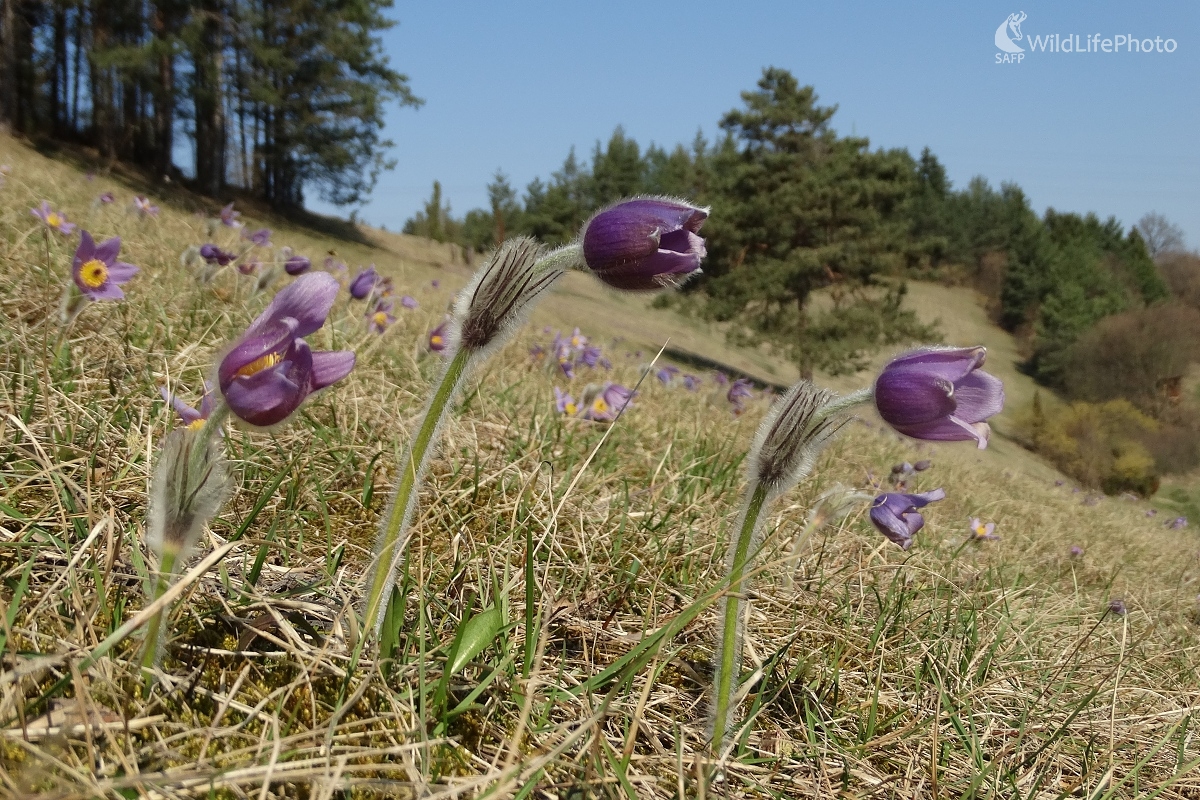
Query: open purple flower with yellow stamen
[607,403]
[192,417]
[381,317]
[645,244]
[564,403]
[297,265]
[437,337]
[983,533]
[55,220]
[270,370]
[362,283]
[97,272]
[896,515]
[939,393]
[144,207]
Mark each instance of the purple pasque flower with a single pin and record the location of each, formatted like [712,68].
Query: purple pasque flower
[983,533]
[1177,523]
[564,403]
[644,244]
[437,337]
[260,237]
[215,255]
[144,207]
[589,356]
[297,265]
[607,403]
[578,340]
[537,354]
[248,266]
[691,383]
[721,378]
[192,417]
[1117,607]
[362,283]
[381,317]
[1076,551]
[106,198]
[55,220]
[409,302]
[666,374]
[270,370]
[739,392]
[939,393]
[97,272]
[568,367]
[896,516]
[229,216]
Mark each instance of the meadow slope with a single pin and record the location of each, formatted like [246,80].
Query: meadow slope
[955,669]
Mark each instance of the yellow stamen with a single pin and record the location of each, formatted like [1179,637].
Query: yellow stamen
[599,406]
[571,408]
[436,341]
[380,319]
[258,365]
[53,219]
[93,273]
[196,424]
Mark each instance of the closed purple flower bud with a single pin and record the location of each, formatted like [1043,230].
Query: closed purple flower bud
[721,378]
[215,255]
[270,370]
[362,283]
[97,272]
[1117,607]
[589,356]
[691,383]
[409,302]
[1076,551]
[261,237]
[896,515]
[645,244]
[297,265]
[666,374]
[939,394]
[106,198]
[739,391]
[922,465]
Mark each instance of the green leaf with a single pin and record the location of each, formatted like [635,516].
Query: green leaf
[473,636]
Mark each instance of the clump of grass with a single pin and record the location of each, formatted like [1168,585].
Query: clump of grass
[955,669]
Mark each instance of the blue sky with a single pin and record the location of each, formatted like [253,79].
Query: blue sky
[515,85]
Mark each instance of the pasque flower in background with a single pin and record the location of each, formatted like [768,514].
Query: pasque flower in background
[97,272]
[897,517]
[362,283]
[144,207]
[297,265]
[55,220]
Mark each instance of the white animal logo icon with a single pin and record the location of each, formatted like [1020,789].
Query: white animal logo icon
[1003,40]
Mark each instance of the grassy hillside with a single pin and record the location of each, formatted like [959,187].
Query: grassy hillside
[955,669]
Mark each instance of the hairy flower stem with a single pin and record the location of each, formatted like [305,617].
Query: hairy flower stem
[404,501]
[172,555]
[730,650]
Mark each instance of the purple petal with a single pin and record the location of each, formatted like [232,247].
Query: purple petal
[107,250]
[979,395]
[84,253]
[105,291]
[946,429]
[185,412]
[330,367]
[120,272]
[906,397]
[269,397]
[950,363]
[307,300]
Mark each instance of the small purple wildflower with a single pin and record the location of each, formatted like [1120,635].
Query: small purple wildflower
[608,402]
[381,317]
[270,370]
[983,533]
[691,382]
[435,283]
[537,354]
[895,515]
[106,198]
[437,337]
[192,417]
[1076,551]
[922,465]
[144,207]
[568,368]
[578,341]
[55,220]
[939,394]
[297,265]
[1117,608]
[1177,523]
[362,283]
[1150,512]
[564,403]
[739,392]
[645,244]
[666,374]
[409,302]
[721,378]
[229,216]
[589,356]
[215,255]
[97,272]
[249,266]
[260,237]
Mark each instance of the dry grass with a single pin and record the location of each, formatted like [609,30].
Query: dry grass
[954,670]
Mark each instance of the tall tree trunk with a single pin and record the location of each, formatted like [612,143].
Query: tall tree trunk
[206,96]
[58,71]
[8,62]
[164,92]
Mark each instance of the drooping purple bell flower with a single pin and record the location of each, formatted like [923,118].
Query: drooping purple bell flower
[939,394]
[297,265]
[270,370]
[645,244]
[362,283]
[215,255]
[97,272]
[896,516]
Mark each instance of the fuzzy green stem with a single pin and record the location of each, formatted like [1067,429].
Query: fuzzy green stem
[166,571]
[729,649]
[407,491]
